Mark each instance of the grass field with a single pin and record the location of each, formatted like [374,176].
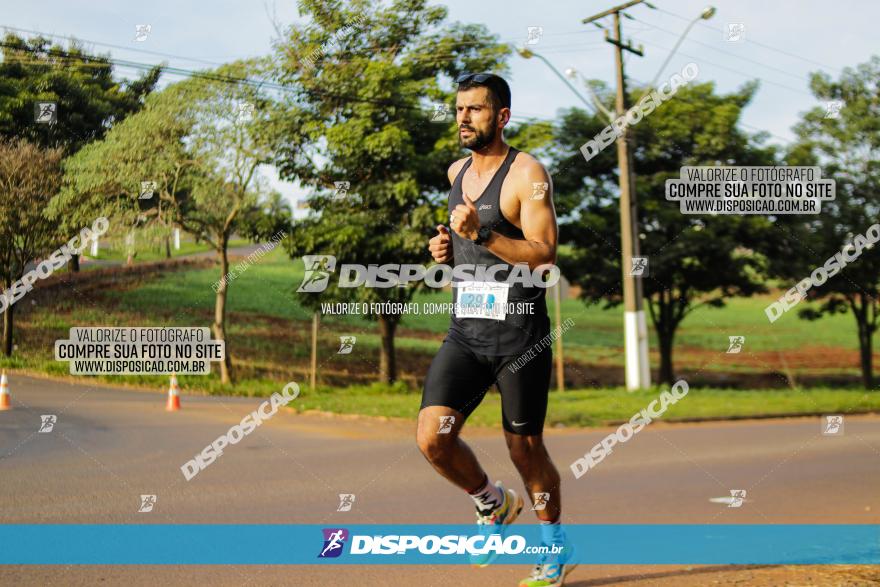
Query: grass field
[595,338]
[269,342]
[116,251]
[596,407]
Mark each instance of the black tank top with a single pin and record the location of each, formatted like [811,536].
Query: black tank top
[519,330]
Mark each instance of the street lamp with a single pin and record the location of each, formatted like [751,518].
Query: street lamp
[635,330]
[706,14]
[527,53]
[572,73]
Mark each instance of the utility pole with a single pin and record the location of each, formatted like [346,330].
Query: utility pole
[557,310]
[313,366]
[638,373]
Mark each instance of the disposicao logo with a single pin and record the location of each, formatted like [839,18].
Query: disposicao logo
[334,541]
[319,269]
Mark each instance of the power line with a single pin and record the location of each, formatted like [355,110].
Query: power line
[730,53]
[257,83]
[748,75]
[781,51]
[739,122]
[73,39]
[139,66]
[510,41]
[570,48]
[527,117]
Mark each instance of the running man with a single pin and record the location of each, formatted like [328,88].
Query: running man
[501,212]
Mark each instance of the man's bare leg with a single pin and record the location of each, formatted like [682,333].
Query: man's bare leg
[540,476]
[538,472]
[448,454]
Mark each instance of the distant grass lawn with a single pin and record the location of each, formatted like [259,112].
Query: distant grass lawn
[604,406]
[269,332]
[156,252]
[268,289]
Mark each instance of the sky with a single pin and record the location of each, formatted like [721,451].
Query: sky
[782,42]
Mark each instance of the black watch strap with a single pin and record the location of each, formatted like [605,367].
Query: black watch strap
[483,235]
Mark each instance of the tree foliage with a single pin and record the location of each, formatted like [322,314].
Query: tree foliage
[692,260]
[847,147]
[89,100]
[369,76]
[202,141]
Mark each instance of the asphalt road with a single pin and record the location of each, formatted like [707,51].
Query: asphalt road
[109,446]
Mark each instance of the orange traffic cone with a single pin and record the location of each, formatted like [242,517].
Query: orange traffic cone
[4,392]
[173,395]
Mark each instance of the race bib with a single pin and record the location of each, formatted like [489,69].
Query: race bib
[481,299]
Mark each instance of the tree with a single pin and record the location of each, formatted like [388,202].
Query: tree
[88,99]
[29,176]
[363,116]
[693,261]
[846,143]
[269,217]
[201,141]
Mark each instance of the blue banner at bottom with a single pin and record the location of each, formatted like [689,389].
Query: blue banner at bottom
[297,544]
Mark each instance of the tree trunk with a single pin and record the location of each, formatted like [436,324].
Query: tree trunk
[866,326]
[74,263]
[865,352]
[167,246]
[665,337]
[219,326]
[664,324]
[7,329]
[387,361]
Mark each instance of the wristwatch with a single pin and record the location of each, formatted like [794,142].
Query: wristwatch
[483,235]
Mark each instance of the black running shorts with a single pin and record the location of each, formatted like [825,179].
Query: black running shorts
[459,378]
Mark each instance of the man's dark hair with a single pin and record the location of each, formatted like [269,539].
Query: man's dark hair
[499,91]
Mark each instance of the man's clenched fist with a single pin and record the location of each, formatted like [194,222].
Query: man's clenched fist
[441,245]
[465,220]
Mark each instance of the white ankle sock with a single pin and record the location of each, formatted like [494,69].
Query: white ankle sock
[488,497]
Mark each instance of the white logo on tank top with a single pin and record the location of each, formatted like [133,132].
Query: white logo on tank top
[484,207]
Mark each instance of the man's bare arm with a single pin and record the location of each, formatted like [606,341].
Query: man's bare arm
[441,245]
[537,219]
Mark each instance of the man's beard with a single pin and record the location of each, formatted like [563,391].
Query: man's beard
[478,139]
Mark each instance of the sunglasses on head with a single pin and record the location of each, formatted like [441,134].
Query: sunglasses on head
[477,77]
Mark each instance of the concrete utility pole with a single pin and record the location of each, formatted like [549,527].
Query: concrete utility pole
[557,310]
[638,373]
[313,366]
